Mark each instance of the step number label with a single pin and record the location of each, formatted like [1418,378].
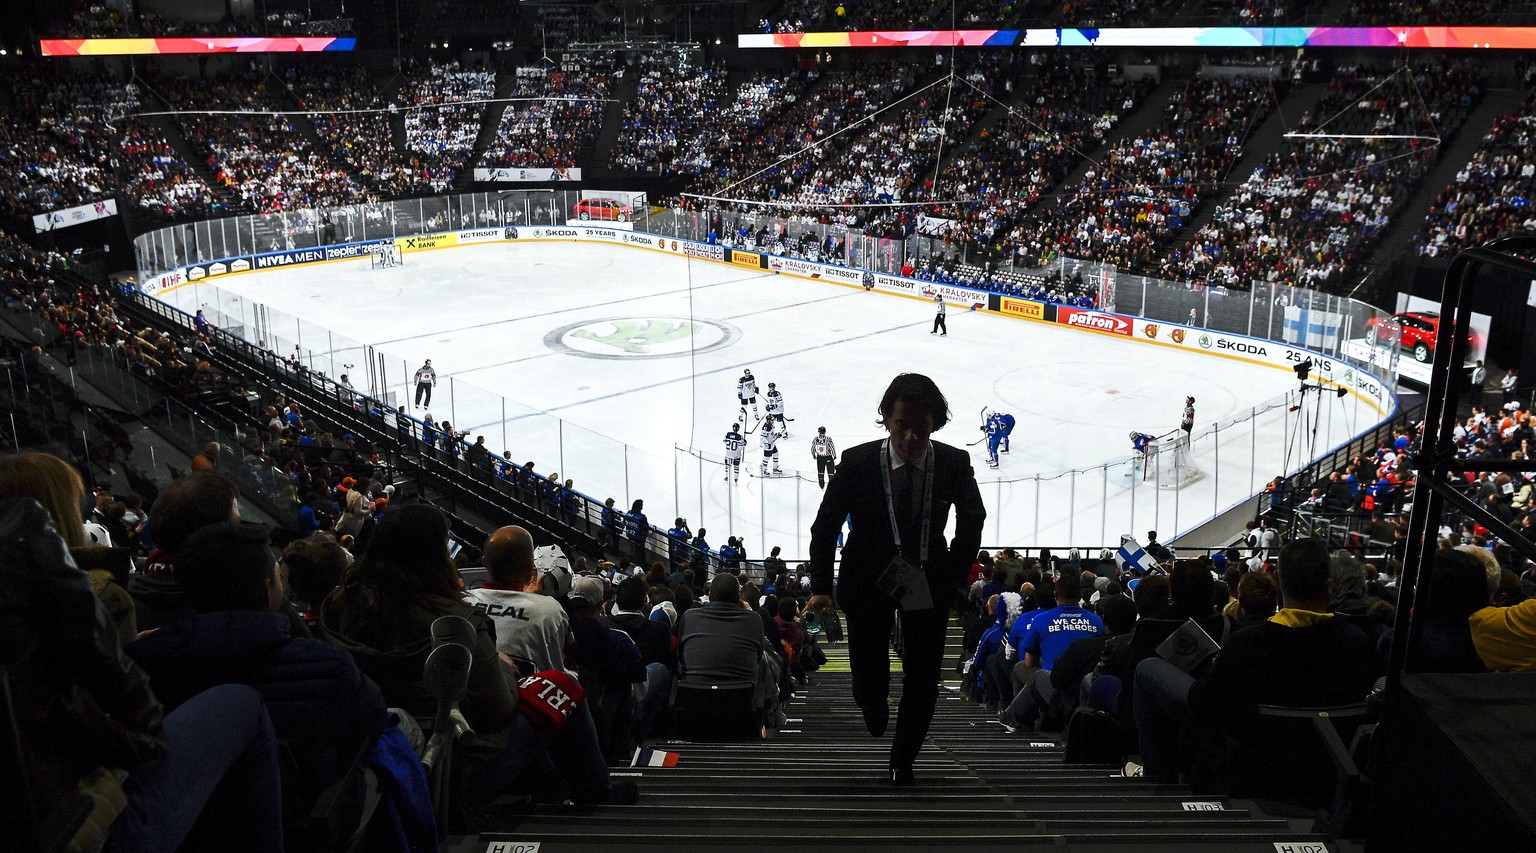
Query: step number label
[513,847]
[1202,806]
[1300,847]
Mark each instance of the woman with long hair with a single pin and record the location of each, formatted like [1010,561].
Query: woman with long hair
[383,613]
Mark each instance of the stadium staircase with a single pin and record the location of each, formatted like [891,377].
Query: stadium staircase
[1148,115]
[819,783]
[1269,138]
[597,168]
[490,123]
[1397,243]
[195,157]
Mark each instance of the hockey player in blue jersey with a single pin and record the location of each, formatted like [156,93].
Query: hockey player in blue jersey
[1006,422]
[994,430]
[1140,441]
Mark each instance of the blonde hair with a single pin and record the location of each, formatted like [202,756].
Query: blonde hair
[53,483]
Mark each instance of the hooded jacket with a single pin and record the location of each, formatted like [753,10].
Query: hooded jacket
[80,702]
[321,706]
[1009,606]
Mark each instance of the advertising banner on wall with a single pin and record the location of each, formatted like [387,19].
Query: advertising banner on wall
[1098,321]
[77,215]
[506,175]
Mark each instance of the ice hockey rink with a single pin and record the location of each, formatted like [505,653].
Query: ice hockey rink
[617,367]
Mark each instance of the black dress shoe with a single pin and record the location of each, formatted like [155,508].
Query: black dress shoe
[876,717]
[903,777]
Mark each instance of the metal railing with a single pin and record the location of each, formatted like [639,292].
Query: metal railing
[606,464]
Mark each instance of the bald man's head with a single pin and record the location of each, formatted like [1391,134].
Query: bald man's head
[508,556]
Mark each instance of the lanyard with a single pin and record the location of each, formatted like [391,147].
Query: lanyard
[890,501]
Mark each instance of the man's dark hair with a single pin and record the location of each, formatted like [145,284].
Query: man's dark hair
[1069,587]
[1458,585]
[226,567]
[788,609]
[725,587]
[1189,586]
[187,505]
[920,395]
[631,594]
[1151,595]
[314,567]
[1304,567]
[1118,613]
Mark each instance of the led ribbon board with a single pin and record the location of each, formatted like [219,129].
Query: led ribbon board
[199,44]
[1497,38]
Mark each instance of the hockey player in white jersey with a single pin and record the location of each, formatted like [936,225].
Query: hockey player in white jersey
[734,445]
[773,404]
[746,391]
[768,441]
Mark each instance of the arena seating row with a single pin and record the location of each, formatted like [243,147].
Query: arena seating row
[548,134]
[1491,195]
[1313,211]
[666,127]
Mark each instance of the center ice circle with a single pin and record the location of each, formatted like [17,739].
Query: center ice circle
[641,337]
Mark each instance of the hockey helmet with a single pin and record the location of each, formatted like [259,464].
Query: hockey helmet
[1134,433]
[821,430]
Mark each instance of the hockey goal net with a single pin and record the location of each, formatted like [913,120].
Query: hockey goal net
[385,255]
[1169,463]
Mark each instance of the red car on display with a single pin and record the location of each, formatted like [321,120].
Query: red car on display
[604,208]
[1412,330]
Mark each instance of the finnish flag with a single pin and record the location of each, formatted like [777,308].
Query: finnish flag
[1131,557]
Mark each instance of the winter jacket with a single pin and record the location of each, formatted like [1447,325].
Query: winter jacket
[80,703]
[321,706]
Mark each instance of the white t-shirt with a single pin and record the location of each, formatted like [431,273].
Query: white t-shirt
[529,627]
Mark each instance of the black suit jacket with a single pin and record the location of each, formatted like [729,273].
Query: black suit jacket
[856,490]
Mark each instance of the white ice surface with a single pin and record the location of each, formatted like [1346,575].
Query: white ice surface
[482,314]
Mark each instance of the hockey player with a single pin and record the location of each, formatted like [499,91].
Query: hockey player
[733,447]
[746,391]
[768,442]
[1007,422]
[825,454]
[774,406]
[1187,423]
[994,430]
[426,380]
[1140,441]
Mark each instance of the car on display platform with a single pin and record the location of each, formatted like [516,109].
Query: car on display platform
[1414,331]
[604,208]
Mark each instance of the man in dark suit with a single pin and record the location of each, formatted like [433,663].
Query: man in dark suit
[899,492]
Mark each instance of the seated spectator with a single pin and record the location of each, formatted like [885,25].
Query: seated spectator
[184,507]
[532,629]
[608,664]
[1046,636]
[383,615]
[1072,676]
[658,651]
[88,723]
[1459,587]
[322,708]
[1505,637]
[312,568]
[1258,597]
[723,641]
[53,483]
[1302,657]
